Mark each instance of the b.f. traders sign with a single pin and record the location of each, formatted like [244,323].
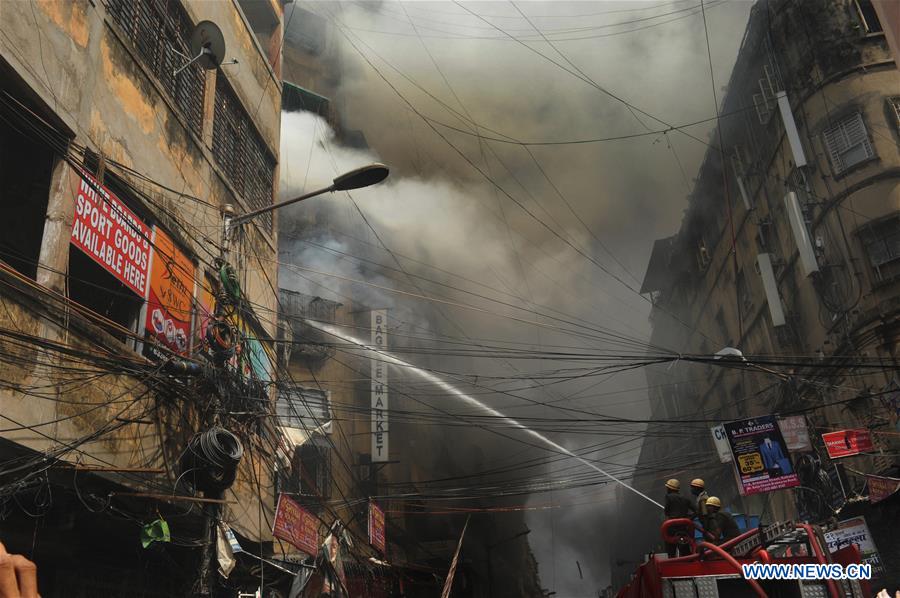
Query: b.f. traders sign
[111,234]
[379,388]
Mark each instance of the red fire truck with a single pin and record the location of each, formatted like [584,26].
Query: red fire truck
[713,571]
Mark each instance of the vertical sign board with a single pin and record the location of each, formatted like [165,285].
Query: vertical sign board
[376,527]
[296,525]
[855,531]
[760,455]
[170,294]
[379,388]
[721,441]
[111,234]
[846,443]
[793,430]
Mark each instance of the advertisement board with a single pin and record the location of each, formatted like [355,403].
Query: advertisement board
[379,388]
[855,531]
[170,294]
[376,527]
[881,487]
[296,525]
[793,430]
[108,232]
[846,443]
[761,457]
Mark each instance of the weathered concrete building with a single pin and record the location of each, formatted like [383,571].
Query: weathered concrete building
[788,251]
[115,166]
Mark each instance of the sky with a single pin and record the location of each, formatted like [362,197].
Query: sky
[504,236]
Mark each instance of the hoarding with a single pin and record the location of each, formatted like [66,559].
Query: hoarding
[855,531]
[376,527]
[793,430]
[881,487]
[761,457]
[379,388]
[846,443]
[721,441]
[296,525]
[111,234]
[170,294]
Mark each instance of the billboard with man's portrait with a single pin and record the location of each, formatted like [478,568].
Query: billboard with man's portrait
[761,457]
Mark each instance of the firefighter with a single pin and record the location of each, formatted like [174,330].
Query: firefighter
[720,523]
[678,507]
[698,489]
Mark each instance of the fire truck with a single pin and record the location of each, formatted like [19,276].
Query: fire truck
[712,571]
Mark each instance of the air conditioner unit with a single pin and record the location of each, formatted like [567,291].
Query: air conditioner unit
[801,234]
[790,129]
[773,297]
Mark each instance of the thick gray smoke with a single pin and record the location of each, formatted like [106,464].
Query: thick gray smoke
[437,209]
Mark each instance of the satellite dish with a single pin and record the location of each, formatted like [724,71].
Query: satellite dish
[207,47]
[208,44]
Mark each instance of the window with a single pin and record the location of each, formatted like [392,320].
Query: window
[304,409]
[847,143]
[894,111]
[26,164]
[312,466]
[305,30]
[240,152]
[265,25]
[868,17]
[882,244]
[154,27]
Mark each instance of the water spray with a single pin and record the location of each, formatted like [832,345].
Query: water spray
[453,391]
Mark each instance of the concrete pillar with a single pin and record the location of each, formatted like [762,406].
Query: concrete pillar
[54,256]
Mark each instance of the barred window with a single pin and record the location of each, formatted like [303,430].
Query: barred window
[240,152]
[894,109]
[155,27]
[847,142]
[882,243]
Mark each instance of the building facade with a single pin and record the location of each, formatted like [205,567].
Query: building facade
[117,159]
[788,252]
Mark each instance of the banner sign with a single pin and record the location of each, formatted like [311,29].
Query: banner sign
[881,487]
[296,525]
[721,441]
[111,234]
[762,460]
[855,531]
[379,388]
[793,430]
[376,527]
[846,443]
[170,295]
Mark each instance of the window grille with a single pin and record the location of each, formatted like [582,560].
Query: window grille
[154,28]
[847,142]
[303,408]
[882,243]
[241,153]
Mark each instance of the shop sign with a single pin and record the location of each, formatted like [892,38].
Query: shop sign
[171,291]
[793,430]
[761,457]
[721,441]
[855,531]
[296,525]
[881,487]
[846,443]
[376,527]
[111,234]
[379,388]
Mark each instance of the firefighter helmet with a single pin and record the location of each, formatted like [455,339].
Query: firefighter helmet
[673,484]
[697,483]
[713,501]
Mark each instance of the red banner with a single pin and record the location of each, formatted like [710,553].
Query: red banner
[881,487]
[171,291]
[111,234]
[846,443]
[376,527]
[296,525]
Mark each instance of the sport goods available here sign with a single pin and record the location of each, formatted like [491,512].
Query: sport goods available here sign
[111,234]
[846,443]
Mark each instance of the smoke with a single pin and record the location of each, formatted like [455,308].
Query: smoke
[437,209]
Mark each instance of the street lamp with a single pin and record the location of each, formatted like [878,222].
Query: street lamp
[364,176]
